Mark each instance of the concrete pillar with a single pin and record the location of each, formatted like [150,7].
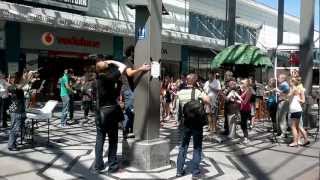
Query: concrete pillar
[118,47]
[231,22]
[306,42]
[12,33]
[147,151]
[184,64]
[280,21]
[306,53]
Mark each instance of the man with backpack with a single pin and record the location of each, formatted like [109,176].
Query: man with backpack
[194,118]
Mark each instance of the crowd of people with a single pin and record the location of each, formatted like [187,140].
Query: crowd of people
[236,99]
[109,92]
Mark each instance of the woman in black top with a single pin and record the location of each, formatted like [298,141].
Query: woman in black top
[17,111]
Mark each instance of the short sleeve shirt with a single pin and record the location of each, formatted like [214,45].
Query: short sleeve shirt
[184,96]
[63,89]
[126,80]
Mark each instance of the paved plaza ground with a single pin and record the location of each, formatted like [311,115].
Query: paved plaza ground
[70,155]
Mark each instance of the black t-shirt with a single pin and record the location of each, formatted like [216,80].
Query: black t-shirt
[36,84]
[126,80]
[17,100]
[108,87]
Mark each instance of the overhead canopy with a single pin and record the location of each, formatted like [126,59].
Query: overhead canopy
[241,54]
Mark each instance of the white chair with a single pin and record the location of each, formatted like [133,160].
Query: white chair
[44,114]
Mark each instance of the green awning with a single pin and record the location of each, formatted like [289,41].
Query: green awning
[241,54]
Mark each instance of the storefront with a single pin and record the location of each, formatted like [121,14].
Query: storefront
[52,50]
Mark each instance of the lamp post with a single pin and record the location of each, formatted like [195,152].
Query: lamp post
[147,151]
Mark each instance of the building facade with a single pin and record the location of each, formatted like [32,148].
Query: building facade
[37,31]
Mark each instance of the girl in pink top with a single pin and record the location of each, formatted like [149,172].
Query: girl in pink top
[245,108]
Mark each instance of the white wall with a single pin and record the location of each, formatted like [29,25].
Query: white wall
[250,13]
[177,19]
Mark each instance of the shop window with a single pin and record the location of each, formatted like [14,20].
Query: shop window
[315,77]
[215,28]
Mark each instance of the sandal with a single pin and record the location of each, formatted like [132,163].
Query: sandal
[293,145]
[306,143]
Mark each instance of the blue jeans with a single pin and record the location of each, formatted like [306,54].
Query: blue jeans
[17,123]
[197,150]
[128,96]
[65,109]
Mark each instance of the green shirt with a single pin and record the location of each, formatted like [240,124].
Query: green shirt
[63,89]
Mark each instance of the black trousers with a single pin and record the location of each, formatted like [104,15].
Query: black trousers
[86,107]
[245,116]
[71,106]
[107,119]
[4,105]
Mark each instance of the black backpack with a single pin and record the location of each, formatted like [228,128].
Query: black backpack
[194,114]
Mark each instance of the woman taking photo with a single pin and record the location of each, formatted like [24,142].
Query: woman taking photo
[297,98]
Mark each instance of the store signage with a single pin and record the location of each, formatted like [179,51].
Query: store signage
[48,39]
[141,33]
[81,5]
[26,14]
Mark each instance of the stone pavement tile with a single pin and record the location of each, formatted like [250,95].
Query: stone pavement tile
[72,154]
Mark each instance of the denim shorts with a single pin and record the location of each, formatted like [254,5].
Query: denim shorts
[296,115]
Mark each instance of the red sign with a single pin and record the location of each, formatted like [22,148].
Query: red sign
[79,42]
[48,39]
[294,59]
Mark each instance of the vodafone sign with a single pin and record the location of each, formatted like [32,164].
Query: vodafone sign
[48,39]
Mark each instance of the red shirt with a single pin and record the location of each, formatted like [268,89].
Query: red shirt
[245,104]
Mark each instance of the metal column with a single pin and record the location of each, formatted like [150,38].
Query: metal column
[231,22]
[280,21]
[148,150]
[148,48]
[306,42]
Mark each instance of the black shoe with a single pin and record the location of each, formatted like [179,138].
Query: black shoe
[180,174]
[306,143]
[196,177]
[13,149]
[97,170]
[114,170]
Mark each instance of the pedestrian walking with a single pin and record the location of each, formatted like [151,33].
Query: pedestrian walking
[232,108]
[245,108]
[65,91]
[87,96]
[108,112]
[192,126]
[283,105]
[17,111]
[296,99]
[128,87]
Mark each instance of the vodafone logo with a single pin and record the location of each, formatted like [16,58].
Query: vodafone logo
[47,38]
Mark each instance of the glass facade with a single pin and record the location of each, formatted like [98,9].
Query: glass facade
[215,28]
